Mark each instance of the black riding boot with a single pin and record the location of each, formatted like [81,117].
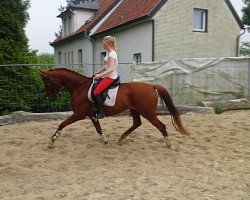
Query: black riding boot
[99,108]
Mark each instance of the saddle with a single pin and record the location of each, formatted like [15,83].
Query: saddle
[104,94]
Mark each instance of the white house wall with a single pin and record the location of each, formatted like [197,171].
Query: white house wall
[130,41]
[174,36]
[80,17]
[74,46]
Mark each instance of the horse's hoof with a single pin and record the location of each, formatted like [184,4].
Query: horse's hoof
[104,138]
[168,142]
[51,144]
[54,138]
[119,142]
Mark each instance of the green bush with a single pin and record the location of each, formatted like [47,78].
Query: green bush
[21,88]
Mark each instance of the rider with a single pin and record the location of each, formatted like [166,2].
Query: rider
[108,73]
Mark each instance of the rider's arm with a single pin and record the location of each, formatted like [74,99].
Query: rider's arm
[100,70]
[111,68]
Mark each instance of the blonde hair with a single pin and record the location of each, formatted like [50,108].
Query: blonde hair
[111,41]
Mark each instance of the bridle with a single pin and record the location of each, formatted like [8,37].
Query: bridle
[57,93]
[53,93]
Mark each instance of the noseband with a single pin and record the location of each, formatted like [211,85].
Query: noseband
[52,91]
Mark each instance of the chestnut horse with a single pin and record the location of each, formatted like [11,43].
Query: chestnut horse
[140,98]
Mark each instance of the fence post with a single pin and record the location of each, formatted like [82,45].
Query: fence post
[173,87]
[248,93]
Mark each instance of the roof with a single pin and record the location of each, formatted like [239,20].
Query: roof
[130,11]
[127,12]
[104,7]
[94,6]
[87,5]
[236,16]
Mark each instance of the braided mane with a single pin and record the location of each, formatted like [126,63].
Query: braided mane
[68,71]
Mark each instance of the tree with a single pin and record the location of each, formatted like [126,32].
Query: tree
[246,13]
[21,87]
[45,58]
[13,41]
[245,49]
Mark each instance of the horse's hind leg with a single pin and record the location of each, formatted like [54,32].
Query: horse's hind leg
[160,126]
[136,124]
[99,130]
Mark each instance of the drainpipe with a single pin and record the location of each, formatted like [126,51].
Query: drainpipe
[86,35]
[238,42]
[153,40]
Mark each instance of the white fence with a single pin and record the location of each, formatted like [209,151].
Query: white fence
[194,80]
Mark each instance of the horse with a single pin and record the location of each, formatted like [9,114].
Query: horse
[138,97]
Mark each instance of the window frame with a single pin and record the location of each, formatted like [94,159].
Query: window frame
[204,20]
[59,57]
[70,25]
[137,58]
[103,55]
[65,26]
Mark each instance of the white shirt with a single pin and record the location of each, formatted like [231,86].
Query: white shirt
[112,54]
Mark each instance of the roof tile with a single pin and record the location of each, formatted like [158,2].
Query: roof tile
[104,7]
[128,11]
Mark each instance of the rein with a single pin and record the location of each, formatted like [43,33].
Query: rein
[62,89]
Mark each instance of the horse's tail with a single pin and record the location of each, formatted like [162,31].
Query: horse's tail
[175,116]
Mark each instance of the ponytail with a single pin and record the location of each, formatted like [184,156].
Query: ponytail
[112,41]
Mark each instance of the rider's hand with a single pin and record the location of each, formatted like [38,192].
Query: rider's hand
[97,76]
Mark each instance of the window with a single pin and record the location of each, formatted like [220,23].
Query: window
[65,26]
[72,58]
[200,20]
[70,30]
[65,58]
[68,58]
[80,56]
[103,54]
[59,58]
[137,57]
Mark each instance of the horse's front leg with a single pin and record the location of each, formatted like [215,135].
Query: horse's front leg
[73,118]
[99,130]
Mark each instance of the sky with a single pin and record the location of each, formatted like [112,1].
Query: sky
[43,23]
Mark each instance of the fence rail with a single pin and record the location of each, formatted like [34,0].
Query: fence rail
[21,87]
[192,81]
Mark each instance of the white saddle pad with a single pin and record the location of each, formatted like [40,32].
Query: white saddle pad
[110,100]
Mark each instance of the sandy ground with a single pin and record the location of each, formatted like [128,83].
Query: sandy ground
[213,163]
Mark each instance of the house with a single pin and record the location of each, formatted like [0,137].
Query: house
[148,30]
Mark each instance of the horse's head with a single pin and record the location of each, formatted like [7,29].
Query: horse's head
[52,85]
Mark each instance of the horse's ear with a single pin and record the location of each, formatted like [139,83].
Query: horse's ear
[42,73]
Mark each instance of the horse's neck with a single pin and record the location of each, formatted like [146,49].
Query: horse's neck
[71,81]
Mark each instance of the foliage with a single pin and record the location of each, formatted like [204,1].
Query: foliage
[245,49]
[13,41]
[21,87]
[246,12]
[40,101]
[13,49]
